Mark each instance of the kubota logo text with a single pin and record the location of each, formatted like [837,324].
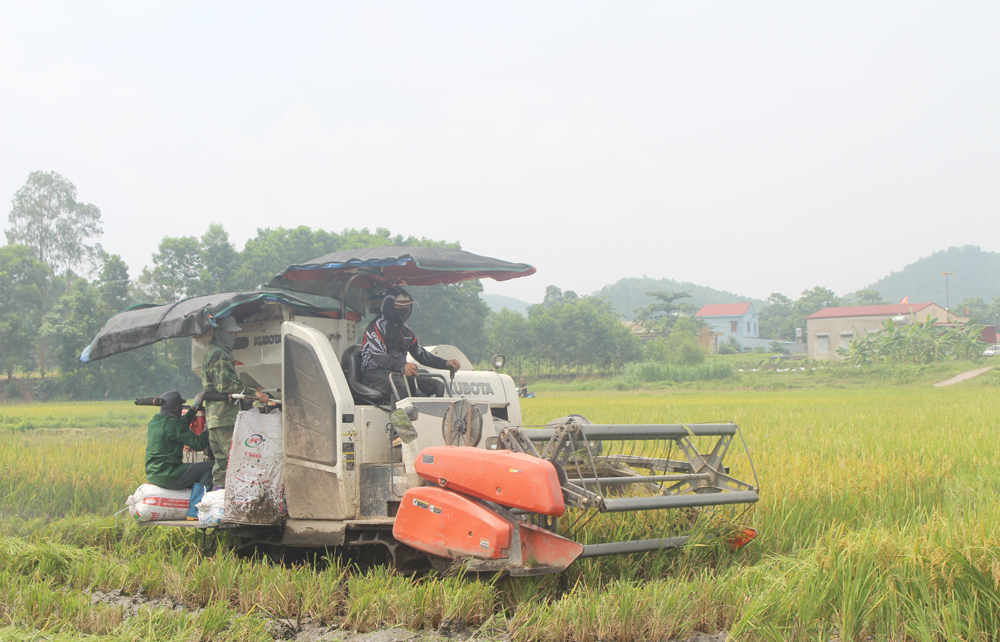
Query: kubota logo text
[471,388]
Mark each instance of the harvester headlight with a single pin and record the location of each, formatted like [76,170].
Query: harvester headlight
[498,360]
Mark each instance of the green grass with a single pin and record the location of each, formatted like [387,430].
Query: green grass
[758,373]
[89,414]
[877,518]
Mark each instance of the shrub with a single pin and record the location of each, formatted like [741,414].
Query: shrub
[638,373]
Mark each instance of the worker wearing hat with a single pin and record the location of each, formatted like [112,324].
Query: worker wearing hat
[218,375]
[386,343]
[166,436]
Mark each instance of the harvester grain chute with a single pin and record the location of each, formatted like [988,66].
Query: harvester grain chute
[468,483]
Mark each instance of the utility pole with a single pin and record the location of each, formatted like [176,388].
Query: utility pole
[947,306]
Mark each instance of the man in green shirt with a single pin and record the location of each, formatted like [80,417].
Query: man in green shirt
[218,375]
[166,436]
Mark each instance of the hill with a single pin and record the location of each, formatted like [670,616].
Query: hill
[498,302]
[976,274]
[630,293]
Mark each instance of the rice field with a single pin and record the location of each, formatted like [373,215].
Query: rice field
[878,520]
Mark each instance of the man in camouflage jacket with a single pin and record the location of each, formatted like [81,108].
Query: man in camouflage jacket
[218,375]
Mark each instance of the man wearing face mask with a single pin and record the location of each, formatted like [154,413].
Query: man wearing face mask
[386,343]
[218,375]
[166,436]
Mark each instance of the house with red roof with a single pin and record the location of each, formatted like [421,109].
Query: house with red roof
[736,320]
[833,328]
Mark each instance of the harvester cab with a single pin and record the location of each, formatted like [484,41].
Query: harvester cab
[466,482]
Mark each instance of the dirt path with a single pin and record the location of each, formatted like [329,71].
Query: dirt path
[961,377]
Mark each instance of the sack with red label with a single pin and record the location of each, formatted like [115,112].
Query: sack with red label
[151,503]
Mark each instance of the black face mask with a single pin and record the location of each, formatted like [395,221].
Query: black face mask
[403,313]
[172,402]
[394,315]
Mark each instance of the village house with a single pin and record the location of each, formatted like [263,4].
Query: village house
[736,320]
[833,328]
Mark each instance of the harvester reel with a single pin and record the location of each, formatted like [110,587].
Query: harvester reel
[594,447]
[462,425]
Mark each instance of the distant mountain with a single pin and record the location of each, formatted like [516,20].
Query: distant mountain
[630,293]
[976,274]
[498,302]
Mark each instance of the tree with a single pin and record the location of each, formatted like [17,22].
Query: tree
[22,283]
[218,261]
[176,267]
[568,330]
[272,250]
[113,284]
[47,218]
[774,318]
[868,297]
[974,308]
[507,333]
[731,346]
[780,319]
[71,324]
[815,300]
[681,347]
[661,315]
[452,314]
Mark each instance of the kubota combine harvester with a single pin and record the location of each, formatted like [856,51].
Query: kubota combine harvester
[470,483]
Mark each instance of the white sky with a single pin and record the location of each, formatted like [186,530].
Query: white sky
[753,147]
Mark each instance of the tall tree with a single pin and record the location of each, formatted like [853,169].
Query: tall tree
[868,297]
[218,261]
[507,333]
[113,283]
[815,300]
[22,282]
[72,323]
[661,315]
[453,314]
[47,218]
[176,267]
[774,319]
[569,331]
[780,319]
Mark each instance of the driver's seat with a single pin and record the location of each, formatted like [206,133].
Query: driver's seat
[365,395]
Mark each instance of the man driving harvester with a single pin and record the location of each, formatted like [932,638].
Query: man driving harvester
[383,353]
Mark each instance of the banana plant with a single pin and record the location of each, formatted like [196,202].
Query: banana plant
[921,342]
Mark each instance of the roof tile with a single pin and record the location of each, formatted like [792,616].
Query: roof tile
[723,310]
[868,310]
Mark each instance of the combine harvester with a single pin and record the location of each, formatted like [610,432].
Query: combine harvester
[470,483]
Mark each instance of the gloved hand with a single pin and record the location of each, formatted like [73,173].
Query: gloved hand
[197,401]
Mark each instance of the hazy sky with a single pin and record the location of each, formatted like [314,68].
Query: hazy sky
[753,147]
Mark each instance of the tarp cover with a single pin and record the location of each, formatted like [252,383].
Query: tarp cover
[143,325]
[348,275]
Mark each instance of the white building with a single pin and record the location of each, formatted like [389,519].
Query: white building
[736,320]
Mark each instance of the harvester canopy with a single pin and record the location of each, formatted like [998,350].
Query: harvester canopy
[147,323]
[349,275]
